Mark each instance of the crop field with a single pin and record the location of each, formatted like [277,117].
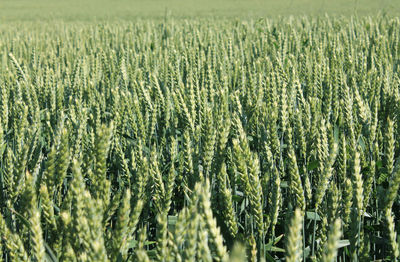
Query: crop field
[194,133]
[100,10]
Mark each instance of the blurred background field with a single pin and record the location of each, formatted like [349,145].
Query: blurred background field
[101,10]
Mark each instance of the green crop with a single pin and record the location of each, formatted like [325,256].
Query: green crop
[200,140]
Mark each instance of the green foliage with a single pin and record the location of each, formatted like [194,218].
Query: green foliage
[200,140]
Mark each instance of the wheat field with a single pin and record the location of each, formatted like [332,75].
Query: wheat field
[203,139]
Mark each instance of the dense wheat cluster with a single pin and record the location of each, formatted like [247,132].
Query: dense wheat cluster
[200,140]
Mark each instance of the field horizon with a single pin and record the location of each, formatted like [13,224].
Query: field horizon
[111,10]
